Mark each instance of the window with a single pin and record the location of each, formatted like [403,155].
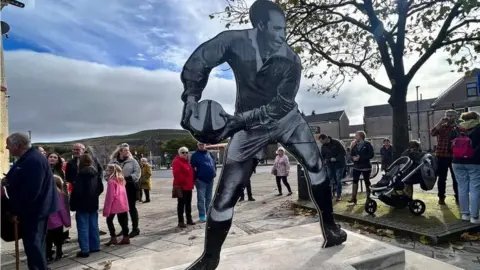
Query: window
[472,90]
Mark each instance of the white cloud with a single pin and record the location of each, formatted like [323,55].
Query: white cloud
[58,98]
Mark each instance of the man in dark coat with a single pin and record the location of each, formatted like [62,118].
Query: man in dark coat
[33,197]
[333,152]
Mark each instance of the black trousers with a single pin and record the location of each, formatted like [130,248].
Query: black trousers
[122,220]
[366,177]
[147,194]
[444,164]
[184,205]
[283,179]
[55,237]
[132,201]
[34,233]
[248,187]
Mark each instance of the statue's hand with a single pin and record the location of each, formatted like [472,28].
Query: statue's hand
[190,108]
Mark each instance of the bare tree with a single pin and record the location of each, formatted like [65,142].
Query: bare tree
[340,39]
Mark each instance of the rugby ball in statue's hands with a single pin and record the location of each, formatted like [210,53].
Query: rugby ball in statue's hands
[210,123]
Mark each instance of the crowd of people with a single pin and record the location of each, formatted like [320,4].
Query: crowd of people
[457,150]
[42,191]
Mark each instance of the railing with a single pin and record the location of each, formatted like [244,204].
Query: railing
[373,173]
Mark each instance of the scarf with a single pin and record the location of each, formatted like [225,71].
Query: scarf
[470,124]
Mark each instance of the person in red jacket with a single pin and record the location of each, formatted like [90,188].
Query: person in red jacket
[183,180]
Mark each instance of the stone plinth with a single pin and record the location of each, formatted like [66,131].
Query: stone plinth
[291,248]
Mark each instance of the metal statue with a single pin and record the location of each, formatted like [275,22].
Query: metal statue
[267,73]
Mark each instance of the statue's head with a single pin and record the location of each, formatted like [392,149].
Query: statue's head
[269,19]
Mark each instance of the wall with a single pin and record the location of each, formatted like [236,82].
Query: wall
[344,126]
[378,128]
[330,128]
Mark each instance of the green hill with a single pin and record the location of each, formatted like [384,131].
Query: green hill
[145,141]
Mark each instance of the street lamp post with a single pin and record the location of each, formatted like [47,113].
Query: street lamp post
[418,115]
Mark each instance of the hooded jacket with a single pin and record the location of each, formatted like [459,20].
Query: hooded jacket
[131,169]
[334,149]
[182,173]
[204,165]
[366,153]
[86,190]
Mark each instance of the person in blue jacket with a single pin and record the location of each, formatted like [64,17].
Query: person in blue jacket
[33,196]
[205,168]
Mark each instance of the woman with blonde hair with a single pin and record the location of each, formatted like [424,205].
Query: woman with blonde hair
[145,179]
[183,183]
[281,169]
[132,173]
[116,203]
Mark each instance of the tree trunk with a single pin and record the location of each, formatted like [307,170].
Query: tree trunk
[400,134]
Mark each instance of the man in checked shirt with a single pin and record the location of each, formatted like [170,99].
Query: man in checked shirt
[267,73]
[445,131]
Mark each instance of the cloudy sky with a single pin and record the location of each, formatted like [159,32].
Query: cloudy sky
[75,69]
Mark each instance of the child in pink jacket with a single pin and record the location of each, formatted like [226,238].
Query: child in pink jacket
[56,222]
[116,203]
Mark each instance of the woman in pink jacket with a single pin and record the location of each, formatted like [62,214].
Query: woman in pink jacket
[116,203]
[281,169]
[56,222]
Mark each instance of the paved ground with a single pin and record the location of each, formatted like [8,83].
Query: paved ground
[158,225]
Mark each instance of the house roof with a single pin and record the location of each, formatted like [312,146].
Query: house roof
[324,117]
[386,109]
[445,93]
[355,128]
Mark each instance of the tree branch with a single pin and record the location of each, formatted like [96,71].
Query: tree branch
[451,30]
[458,40]
[402,6]
[436,44]
[378,33]
[358,68]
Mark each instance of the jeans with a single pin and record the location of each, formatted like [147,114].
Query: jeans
[468,177]
[87,228]
[34,232]
[443,164]
[336,174]
[184,204]
[204,196]
[122,220]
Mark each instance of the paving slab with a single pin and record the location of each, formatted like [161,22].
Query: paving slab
[158,223]
[291,248]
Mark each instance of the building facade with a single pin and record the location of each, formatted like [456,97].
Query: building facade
[423,114]
[334,124]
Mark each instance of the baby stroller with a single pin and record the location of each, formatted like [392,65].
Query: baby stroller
[416,168]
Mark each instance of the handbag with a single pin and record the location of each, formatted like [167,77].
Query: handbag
[177,192]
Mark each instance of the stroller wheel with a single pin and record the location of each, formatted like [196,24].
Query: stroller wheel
[417,207]
[370,206]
